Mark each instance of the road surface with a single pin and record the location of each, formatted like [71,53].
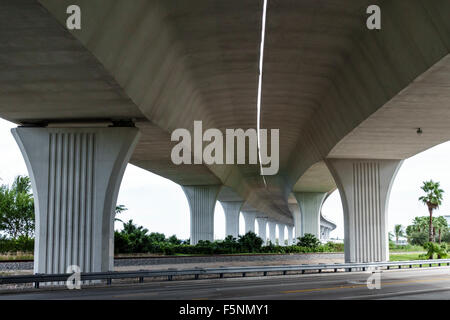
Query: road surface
[427,283]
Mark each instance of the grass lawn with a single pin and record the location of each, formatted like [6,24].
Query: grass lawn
[404,256]
[406,248]
[13,257]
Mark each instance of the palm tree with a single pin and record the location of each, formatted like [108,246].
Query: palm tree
[119,209]
[420,224]
[432,199]
[441,225]
[398,230]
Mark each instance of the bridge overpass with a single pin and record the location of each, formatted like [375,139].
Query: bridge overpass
[348,102]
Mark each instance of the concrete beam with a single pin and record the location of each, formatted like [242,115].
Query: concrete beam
[364,186]
[272,232]
[262,226]
[249,218]
[295,210]
[324,233]
[281,234]
[76,175]
[290,235]
[202,202]
[310,204]
[232,210]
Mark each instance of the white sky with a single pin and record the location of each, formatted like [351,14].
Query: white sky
[161,206]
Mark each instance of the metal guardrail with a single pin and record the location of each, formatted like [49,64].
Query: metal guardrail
[142,274]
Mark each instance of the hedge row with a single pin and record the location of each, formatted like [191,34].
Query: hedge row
[168,249]
[22,244]
[248,243]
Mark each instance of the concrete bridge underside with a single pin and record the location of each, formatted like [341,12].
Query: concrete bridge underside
[347,100]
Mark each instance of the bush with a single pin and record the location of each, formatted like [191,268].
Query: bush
[250,242]
[309,241]
[174,240]
[434,248]
[135,239]
[418,238]
[334,247]
[21,244]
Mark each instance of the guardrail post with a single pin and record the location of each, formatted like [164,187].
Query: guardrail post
[364,268]
[387,267]
[410,266]
[169,278]
[221,275]
[109,281]
[265,273]
[196,276]
[284,272]
[243,274]
[320,270]
[36,285]
[335,269]
[141,279]
[399,266]
[303,271]
[420,265]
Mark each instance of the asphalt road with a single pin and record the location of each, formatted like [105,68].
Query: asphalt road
[429,283]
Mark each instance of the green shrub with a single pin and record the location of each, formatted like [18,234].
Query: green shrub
[440,250]
[418,238]
[250,242]
[21,244]
[308,240]
[136,239]
[334,247]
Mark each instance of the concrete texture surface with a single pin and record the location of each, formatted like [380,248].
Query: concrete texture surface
[325,75]
[334,88]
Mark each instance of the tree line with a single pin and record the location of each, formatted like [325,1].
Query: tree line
[137,239]
[17,227]
[432,233]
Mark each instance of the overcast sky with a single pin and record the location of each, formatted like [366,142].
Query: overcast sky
[161,206]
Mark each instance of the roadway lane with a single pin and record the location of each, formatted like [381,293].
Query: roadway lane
[429,283]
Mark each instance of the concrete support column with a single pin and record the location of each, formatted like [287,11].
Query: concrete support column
[202,202]
[310,204]
[364,186]
[272,233]
[281,234]
[232,210]
[249,218]
[75,175]
[262,225]
[295,210]
[290,235]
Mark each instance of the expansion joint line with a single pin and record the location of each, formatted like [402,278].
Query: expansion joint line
[258,103]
